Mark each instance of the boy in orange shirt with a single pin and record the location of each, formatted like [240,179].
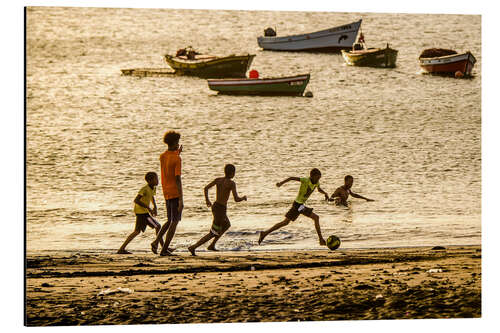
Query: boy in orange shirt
[170,163]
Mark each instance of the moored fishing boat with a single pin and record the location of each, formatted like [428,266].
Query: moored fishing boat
[328,40]
[372,57]
[291,86]
[189,62]
[448,62]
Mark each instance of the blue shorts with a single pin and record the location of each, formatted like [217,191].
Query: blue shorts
[173,213]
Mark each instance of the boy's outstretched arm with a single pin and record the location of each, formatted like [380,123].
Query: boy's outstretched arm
[320,190]
[287,180]
[360,196]
[205,190]
[235,194]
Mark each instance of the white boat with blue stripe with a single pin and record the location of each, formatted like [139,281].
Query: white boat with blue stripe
[328,40]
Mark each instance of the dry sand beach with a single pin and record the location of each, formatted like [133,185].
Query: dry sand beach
[395,283]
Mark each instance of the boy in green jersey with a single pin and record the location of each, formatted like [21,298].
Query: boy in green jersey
[307,186]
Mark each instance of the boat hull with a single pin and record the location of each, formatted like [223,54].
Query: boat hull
[223,67]
[451,64]
[329,40]
[372,58]
[285,86]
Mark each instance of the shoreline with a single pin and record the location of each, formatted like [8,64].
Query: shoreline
[243,286]
[32,253]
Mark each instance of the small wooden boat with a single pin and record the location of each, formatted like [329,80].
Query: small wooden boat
[328,40]
[372,57]
[291,86]
[449,64]
[209,66]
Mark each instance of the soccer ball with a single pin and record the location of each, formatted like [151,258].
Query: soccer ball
[333,242]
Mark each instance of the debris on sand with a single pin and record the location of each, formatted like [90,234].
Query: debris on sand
[114,291]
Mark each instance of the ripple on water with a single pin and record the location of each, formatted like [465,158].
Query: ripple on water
[412,142]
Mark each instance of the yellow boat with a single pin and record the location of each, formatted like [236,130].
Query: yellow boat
[372,57]
[189,62]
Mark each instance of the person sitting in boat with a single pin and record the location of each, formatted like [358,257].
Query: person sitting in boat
[360,44]
[191,54]
[180,52]
[269,32]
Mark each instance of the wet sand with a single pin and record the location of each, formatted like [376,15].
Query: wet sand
[403,283]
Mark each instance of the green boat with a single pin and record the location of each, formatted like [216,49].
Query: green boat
[282,86]
[372,57]
[208,66]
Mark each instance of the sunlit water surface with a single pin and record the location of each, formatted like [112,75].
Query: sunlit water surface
[411,141]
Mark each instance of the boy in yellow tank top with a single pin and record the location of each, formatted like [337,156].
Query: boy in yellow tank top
[143,212]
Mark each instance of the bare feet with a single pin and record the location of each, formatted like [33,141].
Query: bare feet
[191,249]
[167,252]
[212,248]
[322,242]
[123,252]
[154,248]
[261,237]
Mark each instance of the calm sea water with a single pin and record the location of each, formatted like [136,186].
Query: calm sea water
[411,141]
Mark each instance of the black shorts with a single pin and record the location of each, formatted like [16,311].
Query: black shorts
[144,220]
[221,221]
[173,213]
[298,209]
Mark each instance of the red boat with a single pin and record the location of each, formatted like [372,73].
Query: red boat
[455,64]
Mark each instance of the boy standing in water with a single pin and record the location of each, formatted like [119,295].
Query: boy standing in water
[342,193]
[225,185]
[307,186]
[143,211]
[170,163]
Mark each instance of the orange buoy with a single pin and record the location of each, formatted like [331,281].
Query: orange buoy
[459,74]
[254,74]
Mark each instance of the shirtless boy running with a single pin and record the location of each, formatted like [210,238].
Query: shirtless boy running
[225,185]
